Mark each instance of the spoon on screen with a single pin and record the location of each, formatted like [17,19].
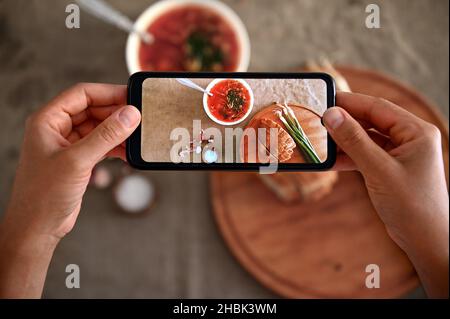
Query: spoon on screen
[192,85]
[105,12]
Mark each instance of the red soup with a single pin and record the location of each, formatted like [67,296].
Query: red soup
[230,100]
[190,38]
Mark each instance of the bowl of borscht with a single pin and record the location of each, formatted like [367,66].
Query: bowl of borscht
[189,36]
[229,102]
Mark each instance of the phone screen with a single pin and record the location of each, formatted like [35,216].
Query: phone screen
[234,120]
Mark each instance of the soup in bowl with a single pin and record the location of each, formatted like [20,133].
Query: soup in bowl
[230,101]
[191,36]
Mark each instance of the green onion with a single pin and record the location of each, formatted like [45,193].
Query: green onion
[295,130]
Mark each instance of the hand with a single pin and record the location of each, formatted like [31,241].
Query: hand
[63,142]
[400,158]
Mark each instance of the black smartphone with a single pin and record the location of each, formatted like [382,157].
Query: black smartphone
[231,121]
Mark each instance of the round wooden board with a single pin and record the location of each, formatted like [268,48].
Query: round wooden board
[319,250]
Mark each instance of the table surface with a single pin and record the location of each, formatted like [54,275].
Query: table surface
[176,251]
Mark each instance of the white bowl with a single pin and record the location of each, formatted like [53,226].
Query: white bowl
[212,117]
[157,9]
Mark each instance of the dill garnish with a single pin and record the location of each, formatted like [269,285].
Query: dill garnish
[202,54]
[235,100]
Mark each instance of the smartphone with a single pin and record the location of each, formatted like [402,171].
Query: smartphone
[231,121]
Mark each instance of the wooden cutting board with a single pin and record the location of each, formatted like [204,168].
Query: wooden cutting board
[311,124]
[319,250]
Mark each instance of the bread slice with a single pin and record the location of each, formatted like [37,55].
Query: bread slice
[300,186]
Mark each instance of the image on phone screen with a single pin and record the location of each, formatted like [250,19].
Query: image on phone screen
[234,120]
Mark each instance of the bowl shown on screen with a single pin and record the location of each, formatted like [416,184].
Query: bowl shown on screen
[231,101]
[189,35]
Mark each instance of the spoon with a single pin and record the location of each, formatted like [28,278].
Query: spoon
[192,85]
[105,12]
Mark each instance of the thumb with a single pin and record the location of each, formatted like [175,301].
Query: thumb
[351,137]
[107,135]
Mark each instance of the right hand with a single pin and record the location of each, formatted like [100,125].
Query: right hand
[400,158]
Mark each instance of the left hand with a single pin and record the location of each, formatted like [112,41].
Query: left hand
[63,142]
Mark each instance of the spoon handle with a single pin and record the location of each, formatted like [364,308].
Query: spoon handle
[105,12]
[192,85]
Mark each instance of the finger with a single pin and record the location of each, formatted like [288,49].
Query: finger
[79,118]
[354,141]
[117,152]
[382,114]
[73,137]
[366,125]
[344,163]
[102,112]
[76,100]
[381,140]
[90,123]
[95,112]
[107,135]
[377,137]
[79,97]
[86,127]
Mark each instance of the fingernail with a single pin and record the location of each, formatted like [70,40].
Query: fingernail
[129,116]
[333,118]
